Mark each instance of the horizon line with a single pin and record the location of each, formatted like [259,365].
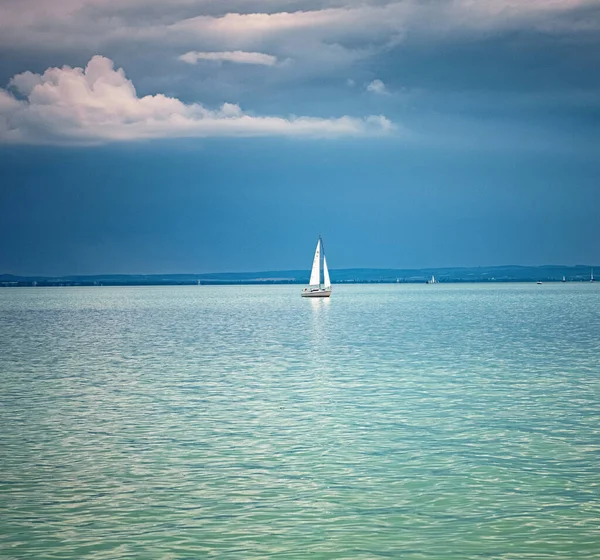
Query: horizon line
[294,270]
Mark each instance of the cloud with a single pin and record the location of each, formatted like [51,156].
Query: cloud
[327,40]
[246,25]
[240,57]
[99,104]
[347,26]
[377,86]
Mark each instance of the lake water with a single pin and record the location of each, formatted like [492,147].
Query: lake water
[392,421]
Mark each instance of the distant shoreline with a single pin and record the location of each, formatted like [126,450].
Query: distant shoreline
[498,274]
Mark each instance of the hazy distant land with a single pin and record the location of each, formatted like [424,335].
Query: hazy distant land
[555,273]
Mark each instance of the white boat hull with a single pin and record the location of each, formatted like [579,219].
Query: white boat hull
[316,293]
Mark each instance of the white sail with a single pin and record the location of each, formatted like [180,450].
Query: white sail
[315,273]
[327,285]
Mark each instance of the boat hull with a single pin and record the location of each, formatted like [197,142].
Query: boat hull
[317,293]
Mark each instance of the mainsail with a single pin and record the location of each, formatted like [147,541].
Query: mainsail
[315,273]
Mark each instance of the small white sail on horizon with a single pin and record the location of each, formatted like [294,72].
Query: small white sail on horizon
[315,287]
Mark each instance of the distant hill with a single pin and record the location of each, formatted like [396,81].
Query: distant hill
[508,273]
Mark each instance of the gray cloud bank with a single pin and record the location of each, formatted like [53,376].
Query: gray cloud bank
[288,27]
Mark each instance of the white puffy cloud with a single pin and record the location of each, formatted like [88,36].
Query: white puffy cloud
[240,57]
[377,86]
[99,104]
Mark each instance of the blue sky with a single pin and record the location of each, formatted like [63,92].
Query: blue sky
[206,136]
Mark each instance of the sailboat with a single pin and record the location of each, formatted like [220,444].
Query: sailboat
[592,279]
[315,287]
[433,280]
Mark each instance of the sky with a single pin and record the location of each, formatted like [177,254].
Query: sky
[197,136]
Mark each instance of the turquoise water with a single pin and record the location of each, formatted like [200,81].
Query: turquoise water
[398,421]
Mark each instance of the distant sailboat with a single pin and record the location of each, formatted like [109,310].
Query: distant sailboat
[563,279]
[433,280]
[592,279]
[315,287]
